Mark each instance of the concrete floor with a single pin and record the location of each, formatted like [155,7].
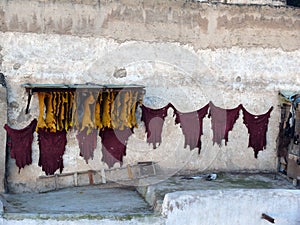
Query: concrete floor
[82,202]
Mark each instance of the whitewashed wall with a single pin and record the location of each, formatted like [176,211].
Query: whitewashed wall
[171,73]
[184,53]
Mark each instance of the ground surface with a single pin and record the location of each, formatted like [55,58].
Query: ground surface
[125,203]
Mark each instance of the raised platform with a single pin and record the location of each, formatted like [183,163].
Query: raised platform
[154,189]
[233,206]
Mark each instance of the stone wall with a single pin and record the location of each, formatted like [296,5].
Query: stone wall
[185,53]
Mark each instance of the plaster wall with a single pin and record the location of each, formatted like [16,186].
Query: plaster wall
[187,54]
[202,25]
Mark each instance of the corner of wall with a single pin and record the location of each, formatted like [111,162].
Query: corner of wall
[3,120]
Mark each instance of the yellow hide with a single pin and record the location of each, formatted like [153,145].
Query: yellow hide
[112,109]
[98,122]
[87,116]
[106,117]
[50,117]
[41,121]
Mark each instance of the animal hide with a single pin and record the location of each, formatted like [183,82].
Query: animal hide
[20,143]
[114,143]
[52,147]
[222,121]
[191,125]
[154,120]
[257,129]
[87,143]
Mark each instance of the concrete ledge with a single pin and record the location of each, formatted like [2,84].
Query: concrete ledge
[232,206]
[76,216]
[84,221]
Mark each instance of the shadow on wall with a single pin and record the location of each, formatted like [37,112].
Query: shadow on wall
[295,3]
[2,80]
